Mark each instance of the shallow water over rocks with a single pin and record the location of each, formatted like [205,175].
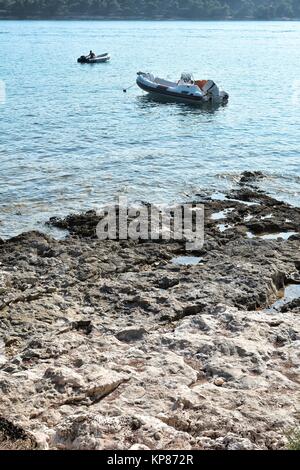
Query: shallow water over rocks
[288,294]
[187,260]
[273,236]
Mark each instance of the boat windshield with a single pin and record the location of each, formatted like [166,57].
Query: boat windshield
[186,78]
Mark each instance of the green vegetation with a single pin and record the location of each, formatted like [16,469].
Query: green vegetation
[164,9]
[294,440]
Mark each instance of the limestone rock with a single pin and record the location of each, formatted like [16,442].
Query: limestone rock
[109,345]
[129,334]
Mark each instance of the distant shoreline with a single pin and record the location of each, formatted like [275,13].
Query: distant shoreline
[103,18]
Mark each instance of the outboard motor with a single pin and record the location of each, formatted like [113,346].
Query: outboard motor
[211,89]
[82,59]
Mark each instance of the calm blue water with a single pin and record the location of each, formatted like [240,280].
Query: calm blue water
[71,139]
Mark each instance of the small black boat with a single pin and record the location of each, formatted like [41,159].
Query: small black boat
[94,60]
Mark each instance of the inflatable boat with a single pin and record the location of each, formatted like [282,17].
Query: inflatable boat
[95,60]
[185,90]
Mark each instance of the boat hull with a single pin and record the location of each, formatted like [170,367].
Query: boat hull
[96,60]
[162,92]
[186,94]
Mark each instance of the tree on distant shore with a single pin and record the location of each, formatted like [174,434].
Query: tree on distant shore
[185,9]
[285,9]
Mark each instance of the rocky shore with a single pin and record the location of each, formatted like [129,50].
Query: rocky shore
[116,345]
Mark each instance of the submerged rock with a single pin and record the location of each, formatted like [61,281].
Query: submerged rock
[251,176]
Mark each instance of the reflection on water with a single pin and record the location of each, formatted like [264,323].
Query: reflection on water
[181,108]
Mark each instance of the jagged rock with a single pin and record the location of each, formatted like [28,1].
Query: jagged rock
[64,376]
[109,345]
[251,176]
[219,382]
[129,335]
[13,437]
[104,384]
[139,447]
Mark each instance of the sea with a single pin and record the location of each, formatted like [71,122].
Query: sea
[72,140]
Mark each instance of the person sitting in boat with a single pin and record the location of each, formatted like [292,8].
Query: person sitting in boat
[91,55]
